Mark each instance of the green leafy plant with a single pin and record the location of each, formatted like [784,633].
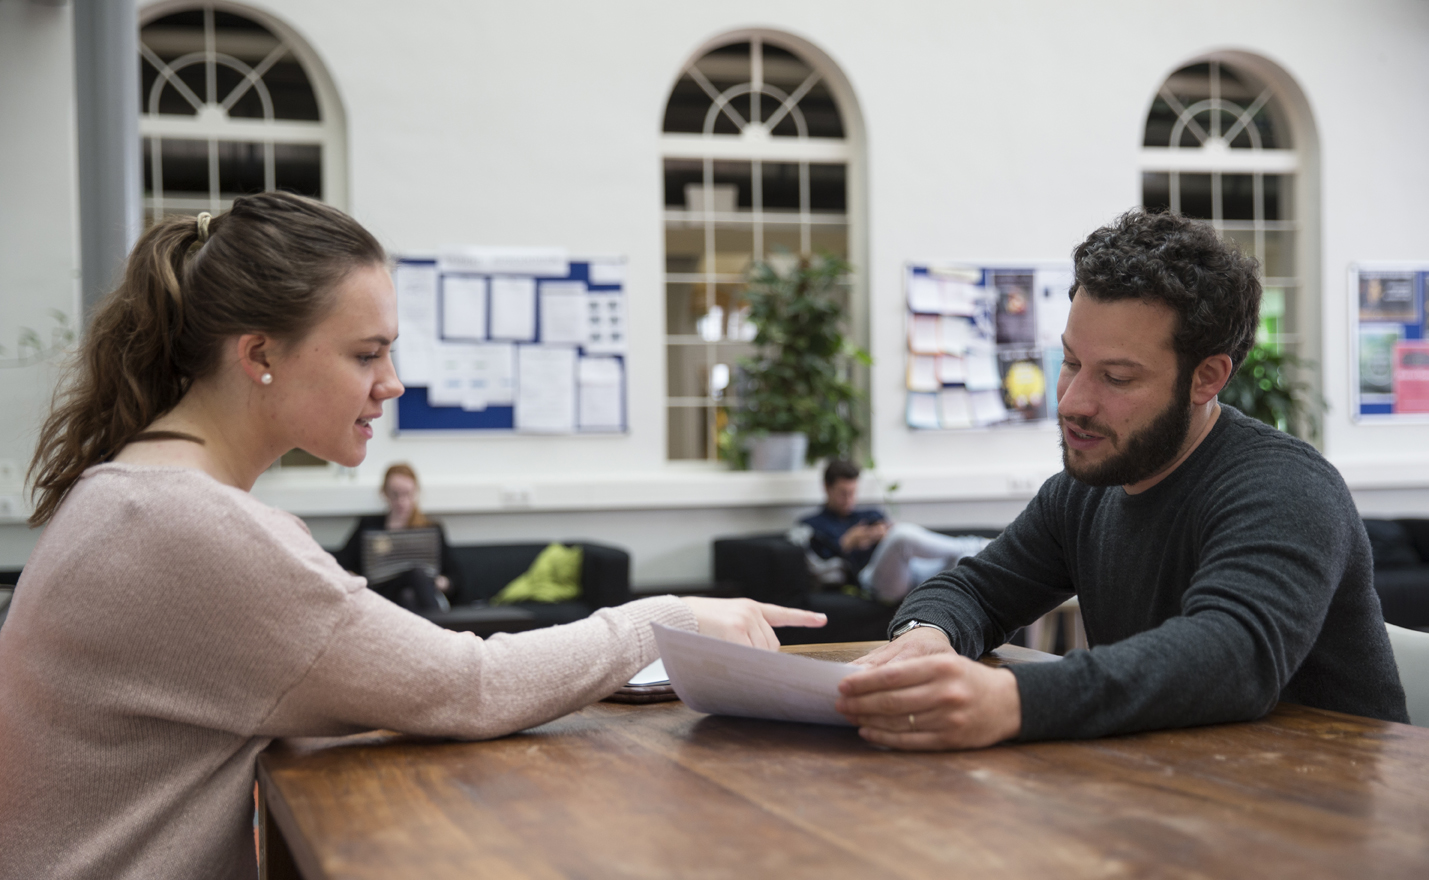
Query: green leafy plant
[798,379]
[1267,387]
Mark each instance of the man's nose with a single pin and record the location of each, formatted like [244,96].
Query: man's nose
[1075,399]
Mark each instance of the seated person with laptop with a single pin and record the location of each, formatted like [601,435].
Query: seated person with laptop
[846,543]
[402,553]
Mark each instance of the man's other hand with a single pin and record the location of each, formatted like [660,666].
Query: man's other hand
[921,642]
[938,701]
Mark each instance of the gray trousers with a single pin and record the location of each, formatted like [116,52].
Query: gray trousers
[910,554]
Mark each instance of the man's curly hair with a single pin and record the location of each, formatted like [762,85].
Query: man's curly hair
[1209,283]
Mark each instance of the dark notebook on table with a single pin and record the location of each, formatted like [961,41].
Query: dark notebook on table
[387,554]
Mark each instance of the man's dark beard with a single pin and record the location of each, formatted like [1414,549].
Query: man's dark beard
[1145,452]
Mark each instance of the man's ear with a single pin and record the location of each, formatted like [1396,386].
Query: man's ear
[1210,377]
[255,351]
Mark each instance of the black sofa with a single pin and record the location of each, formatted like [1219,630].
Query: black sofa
[1401,569]
[484,569]
[768,568]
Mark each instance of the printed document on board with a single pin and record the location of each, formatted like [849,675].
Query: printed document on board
[546,389]
[513,309]
[721,678]
[415,351]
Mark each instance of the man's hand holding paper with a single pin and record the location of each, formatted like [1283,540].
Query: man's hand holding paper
[925,698]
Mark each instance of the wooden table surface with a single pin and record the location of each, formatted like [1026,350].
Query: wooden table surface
[654,791]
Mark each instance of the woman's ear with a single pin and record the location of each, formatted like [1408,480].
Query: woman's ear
[254,353]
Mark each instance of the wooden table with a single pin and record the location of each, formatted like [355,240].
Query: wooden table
[660,791]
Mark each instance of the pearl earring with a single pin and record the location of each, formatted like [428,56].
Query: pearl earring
[267,378]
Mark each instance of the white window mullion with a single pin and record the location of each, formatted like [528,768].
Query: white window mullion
[213,183]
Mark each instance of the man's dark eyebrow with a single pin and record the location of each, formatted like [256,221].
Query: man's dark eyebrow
[1115,362]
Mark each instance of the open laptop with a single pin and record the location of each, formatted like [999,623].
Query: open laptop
[386,554]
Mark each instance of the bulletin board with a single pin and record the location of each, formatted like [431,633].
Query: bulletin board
[1390,359]
[518,341]
[984,343]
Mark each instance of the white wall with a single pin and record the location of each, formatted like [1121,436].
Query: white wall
[994,132]
[38,230]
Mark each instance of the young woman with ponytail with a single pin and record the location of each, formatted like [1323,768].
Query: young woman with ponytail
[168,625]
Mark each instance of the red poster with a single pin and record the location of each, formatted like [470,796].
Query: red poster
[1411,376]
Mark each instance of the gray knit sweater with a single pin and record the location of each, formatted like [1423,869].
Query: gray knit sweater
[167,626]
[1241,579]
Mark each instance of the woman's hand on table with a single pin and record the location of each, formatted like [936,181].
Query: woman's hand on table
[746,622]
[933,701]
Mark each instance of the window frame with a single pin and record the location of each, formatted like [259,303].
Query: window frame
[1215,157]
[329,132]
[804,150]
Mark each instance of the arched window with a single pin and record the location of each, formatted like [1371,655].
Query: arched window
[1218,146]
[231,103]
[756,165]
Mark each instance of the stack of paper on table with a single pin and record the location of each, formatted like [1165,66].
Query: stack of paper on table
[722,678]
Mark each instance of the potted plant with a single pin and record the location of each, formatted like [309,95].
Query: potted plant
[1266,387]
[797,382]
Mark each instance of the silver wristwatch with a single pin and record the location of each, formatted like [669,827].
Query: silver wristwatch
[911,625]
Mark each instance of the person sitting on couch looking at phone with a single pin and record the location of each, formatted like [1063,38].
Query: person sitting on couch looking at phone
[846,542]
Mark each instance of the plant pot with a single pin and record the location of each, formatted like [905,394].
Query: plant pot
[778,452]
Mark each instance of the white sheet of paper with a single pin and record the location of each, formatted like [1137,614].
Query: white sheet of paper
[955,408]
[416,288]
[952,369]
[549,262]
[923,411]
[607,271]
[722,678]
[546,389]
[493,376]
[600,394]
[650,676]
[472,375]
[923,334]
[463,307]
[605,322]
[451,374]
[954,334]
[563,313]
[987,407]
[923,373]
[924,294]
[513,309]
[981,363]
[1053,305]
[959,297]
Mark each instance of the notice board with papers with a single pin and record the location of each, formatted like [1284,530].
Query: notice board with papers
[516,340]
[984,343]
[1390,360]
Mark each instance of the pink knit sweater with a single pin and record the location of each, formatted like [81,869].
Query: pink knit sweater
[168,626]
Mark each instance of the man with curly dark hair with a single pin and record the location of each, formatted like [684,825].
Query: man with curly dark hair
[1221,565]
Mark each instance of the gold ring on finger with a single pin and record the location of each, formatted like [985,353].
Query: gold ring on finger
[912,721]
